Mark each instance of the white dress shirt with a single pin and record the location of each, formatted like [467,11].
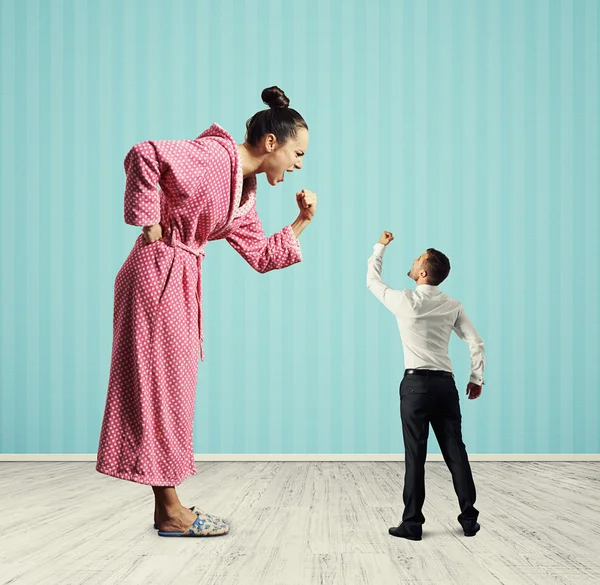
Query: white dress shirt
[426,318]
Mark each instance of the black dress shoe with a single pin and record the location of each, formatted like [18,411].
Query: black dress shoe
[472,531]
[401,533]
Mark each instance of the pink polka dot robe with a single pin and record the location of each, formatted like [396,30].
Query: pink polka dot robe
[146,434]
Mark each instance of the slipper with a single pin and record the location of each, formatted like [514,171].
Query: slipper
[197,512]
[202,526]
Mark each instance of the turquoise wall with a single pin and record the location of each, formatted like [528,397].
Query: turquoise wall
[468,126]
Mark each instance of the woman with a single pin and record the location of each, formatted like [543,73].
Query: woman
[207,192]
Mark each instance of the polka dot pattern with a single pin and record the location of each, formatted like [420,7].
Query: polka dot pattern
[147,429]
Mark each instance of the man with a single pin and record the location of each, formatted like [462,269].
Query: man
[426,318]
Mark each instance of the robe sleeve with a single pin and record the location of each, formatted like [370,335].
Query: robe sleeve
[142,199]
[264,253]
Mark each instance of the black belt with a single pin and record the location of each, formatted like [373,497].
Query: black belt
[437,373]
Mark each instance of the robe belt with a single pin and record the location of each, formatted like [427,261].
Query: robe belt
[199,253]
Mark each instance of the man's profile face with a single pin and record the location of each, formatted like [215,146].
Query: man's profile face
[418,266]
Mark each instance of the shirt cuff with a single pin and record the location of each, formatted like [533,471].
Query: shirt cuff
[379,249]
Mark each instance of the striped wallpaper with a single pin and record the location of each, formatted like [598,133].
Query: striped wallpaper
[470,126]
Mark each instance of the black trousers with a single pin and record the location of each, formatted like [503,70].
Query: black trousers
[433,399]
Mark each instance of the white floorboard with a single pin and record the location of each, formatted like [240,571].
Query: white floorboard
[302,523]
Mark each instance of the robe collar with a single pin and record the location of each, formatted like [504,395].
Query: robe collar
[239,185]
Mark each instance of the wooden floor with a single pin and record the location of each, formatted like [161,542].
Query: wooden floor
[304,523]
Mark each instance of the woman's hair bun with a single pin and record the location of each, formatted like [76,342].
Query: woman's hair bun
[279,119]
[274,97]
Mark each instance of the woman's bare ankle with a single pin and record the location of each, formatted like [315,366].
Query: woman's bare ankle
[170,511]
[176,519]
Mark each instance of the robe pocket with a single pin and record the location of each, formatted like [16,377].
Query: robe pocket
[162,257]
[166,280]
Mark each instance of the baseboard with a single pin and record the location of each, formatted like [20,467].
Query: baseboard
[322,457]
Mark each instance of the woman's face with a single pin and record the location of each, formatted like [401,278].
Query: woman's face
[282,158]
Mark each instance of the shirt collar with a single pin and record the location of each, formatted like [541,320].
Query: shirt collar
[428,288]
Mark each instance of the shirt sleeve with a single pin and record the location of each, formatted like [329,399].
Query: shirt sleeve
[263,253]
[142,198]
[390,297]
[467,332]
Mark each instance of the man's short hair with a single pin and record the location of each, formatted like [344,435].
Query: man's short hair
[437,266]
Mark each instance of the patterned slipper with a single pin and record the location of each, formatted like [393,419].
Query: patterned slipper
[202,526]
[198,512]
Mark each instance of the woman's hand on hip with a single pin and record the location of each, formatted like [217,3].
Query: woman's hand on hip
[307,202]
[152,233]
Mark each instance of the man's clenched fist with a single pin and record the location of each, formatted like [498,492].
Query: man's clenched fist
[386,238]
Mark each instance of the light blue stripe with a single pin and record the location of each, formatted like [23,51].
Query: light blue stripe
[467,182]
[44,204]
[497,393]
[590,442]
[578,171]
[104,48]
[11,403]
[516,153]
[79,307]
[530,342]
[55,187]
[32,217]
[68,251]
[566,198]
[421,101]
[254,437]
[555,171]
[320,155]
[281,330]
[545,231]
[346,363]
[370,392]
[96,362]
[27,281]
